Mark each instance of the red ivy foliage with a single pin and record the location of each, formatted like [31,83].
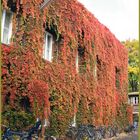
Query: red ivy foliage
[25,73]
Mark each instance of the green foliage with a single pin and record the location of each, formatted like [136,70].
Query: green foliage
[133,68]
[122,115]
[17,119]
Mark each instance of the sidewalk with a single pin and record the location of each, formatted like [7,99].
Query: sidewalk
[125,136]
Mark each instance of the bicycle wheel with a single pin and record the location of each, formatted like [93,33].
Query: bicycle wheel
[71,134]
[111,133]
[98,135]
[8,138]
[49,138]
[107,134]
[83,136]
[25,138]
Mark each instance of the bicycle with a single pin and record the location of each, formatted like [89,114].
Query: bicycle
[71,132]
[31,133]
[85,132]
[102,130]
[129,128]
[98,134]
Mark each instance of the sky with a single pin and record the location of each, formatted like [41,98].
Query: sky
[120,16]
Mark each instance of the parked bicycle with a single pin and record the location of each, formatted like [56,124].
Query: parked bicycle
[71,132]
[98,133]
[102,130]
[31,133]
[83,132]
[129,128]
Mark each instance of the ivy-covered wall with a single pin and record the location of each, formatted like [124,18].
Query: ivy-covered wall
[33,87]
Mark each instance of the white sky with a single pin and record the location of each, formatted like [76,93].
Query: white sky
[120,16]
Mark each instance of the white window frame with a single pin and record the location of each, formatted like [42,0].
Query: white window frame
[77,62]
[74,121]
[137,100]
[133,100]
[95,69]
[10,26]
[48,56]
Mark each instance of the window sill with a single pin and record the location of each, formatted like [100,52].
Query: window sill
[7,45]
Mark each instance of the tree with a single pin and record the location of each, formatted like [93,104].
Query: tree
[133,67]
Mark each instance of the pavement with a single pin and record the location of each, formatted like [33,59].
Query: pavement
[124,136]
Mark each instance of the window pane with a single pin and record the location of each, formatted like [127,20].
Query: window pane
[6,27]
[49,39]
[81,60]
[48,47]
[7,19]
[5,36]
[117,76]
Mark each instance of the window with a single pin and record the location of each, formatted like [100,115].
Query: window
[77,62]
[47,53]
[136,100]
[133,100]
[95,69]
[6,30]
[80,60]
[25,104]
[117,71]
[56,51]
[73,123]
[98,68]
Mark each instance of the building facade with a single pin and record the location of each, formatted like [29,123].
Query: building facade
[133,100]
[61,63]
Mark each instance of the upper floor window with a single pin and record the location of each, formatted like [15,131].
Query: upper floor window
[77,62]
[117,76]
[47,52]
[6,24]
[97,68]
[80,60]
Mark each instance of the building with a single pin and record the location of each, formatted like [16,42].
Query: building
[61,63]
[133,100]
